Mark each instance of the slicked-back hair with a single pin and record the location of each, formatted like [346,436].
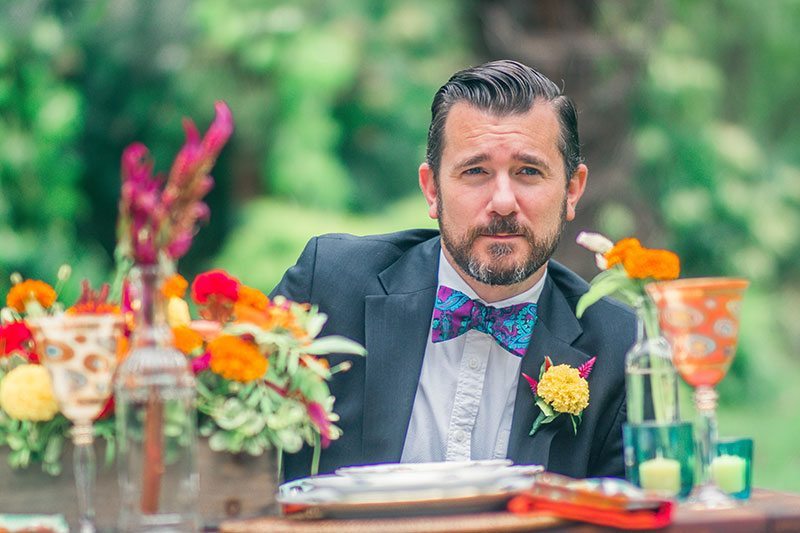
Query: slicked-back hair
[503,88]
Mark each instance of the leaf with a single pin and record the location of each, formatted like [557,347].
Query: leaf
[315,323]
[574,424]
[217,441]
[605,284]
[334,344]
[536,423]
[545,407]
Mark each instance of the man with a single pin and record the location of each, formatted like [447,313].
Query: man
[503,174]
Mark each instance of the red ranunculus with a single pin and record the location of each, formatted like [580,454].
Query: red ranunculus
[215,283]
[16,337]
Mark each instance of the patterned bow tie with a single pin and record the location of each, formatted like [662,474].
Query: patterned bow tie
[455,313]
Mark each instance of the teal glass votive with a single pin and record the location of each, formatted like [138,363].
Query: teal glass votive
[732,468]
[660,457]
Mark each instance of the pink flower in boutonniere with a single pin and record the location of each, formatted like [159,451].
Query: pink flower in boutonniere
[560,389]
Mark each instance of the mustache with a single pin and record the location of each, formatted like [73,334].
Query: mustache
[501,225]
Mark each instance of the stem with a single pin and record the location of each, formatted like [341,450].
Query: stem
[315,457]
[84,470]
[664,408]
[705,400]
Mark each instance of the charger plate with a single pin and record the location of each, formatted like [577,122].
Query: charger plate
[501,522]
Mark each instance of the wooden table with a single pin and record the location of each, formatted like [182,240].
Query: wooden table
[767,511]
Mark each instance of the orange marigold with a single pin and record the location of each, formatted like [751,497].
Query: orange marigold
[186,340]
[30,289]
[250,297]
[236,359]
[650,263]
[620,250]
[175,286]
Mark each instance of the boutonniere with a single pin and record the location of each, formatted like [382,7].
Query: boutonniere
[560,390]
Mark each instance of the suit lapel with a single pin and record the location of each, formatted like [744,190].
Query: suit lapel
[552,336]
[397,325]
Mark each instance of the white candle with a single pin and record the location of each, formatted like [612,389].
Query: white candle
[661,474]
[728,472]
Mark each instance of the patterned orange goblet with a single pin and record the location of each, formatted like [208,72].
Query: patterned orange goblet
[80,352]
[699,317]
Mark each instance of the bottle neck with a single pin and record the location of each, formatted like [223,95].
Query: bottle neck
[147,302]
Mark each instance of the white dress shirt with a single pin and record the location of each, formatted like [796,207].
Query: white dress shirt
[465,397]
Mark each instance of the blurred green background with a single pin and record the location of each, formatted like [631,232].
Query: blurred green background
[687,116]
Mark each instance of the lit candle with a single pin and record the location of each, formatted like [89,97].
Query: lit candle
[728,472]
[661,474]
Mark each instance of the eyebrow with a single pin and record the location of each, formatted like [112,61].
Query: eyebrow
[519,156]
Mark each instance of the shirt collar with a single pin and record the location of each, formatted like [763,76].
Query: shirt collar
[450,277]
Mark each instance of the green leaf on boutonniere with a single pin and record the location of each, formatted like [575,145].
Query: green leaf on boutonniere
[576,420]
[545,407]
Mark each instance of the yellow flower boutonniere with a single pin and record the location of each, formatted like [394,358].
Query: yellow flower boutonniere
[560,389]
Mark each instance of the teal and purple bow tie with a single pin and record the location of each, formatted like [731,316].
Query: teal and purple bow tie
[455,313]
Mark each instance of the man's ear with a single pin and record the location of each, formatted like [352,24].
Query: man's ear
[575,188]
[428,185]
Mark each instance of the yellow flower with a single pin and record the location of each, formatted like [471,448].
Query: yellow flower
[564,389]
[236,359]
[177,312]
[26,393]
[29,292]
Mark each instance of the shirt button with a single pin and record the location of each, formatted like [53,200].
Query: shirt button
[473,363]
[460,436]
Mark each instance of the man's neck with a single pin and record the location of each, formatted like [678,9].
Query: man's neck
[495,293]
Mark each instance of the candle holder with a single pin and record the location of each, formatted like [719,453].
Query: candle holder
[732,468]
[660,457]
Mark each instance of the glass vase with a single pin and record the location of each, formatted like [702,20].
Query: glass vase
[156,419]
[650,377]
[655,456]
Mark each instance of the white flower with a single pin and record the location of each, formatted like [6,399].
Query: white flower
[594,242]
[598,244]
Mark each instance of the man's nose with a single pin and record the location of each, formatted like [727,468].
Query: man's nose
[504,199]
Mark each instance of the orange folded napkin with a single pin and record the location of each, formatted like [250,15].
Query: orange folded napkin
[605,502]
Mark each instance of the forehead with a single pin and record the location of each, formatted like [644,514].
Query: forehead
[471,129]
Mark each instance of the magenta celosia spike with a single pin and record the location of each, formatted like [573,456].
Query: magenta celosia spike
[586,368]
[532,382]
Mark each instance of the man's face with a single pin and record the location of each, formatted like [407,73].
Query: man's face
[502,197]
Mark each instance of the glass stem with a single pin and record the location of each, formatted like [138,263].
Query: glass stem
[84,469]
[705,400]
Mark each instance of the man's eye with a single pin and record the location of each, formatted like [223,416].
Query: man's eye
[474,171]
[529,171]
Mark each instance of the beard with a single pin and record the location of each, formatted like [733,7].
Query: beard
[493,271]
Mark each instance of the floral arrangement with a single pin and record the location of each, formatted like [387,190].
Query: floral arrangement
[626,267]
[260,377]
[261,382]
[560,390]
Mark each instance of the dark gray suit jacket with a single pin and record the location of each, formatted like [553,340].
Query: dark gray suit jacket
[379,290]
